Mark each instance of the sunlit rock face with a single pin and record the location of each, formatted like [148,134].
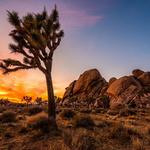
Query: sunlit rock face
[123,89]
[130,88]
[87,88]
[145,78]
[90,87]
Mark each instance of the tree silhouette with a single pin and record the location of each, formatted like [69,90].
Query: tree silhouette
[27,99]
[38,100]
[36,37]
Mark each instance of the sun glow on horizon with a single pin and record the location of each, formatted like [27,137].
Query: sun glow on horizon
[16,85]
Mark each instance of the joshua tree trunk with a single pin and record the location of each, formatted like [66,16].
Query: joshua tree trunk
[36,37]
[51,99]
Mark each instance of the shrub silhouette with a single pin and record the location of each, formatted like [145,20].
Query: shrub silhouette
[34,110]
[39,122]
[67,114]
[8,116]
[83,122]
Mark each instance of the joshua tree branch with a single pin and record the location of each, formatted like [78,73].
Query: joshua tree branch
[7,69]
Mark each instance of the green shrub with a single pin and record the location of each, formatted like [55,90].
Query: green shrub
[8,116]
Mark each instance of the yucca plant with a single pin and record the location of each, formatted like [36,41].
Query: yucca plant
[36,37]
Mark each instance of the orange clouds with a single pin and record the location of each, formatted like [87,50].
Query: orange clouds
[16,85]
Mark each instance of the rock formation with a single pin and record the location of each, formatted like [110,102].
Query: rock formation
[92,89]
[87,88]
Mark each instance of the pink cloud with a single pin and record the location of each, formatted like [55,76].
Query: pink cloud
[76,18]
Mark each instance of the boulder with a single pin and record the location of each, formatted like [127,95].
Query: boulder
[87,88]
[69,89]
[120,85]
[145,78]
[85,79]
[111,80]
[123,89]
[137,72]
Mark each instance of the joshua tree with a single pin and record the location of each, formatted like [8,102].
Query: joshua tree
[36,37]
[38,100]
[27,99]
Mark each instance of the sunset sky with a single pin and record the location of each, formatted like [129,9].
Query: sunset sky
[110,35]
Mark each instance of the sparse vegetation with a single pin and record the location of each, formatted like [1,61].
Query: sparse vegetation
[137,144]
[8,116]
[123,134]
[80,132]
[34,110]
[127,112]
[83,122]
[39,122]
[67,114]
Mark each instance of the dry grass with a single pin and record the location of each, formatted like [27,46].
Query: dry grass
[39,122]
[83,122]
[108,132]
[34,110]
[137,144]
[67,114]
[8,116]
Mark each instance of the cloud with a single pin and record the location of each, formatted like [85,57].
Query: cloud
[18,84]
[76,18]
[73,16]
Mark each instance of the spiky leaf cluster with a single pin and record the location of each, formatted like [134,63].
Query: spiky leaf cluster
[36,37]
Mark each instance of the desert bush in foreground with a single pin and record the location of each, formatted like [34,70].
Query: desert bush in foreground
[137,144]
[8,116]
[127,112]
[103,124]
[123,134]
[67,114]
[80,141]
[2,109]
[34,110]
[83,122]
[39,122]
[85,142]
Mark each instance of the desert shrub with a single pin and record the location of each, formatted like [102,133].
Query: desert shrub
[105,100]
[8,135]
[103,124]
[34,110]
[123,134]
[8,116]
[39,122]
[127,112]
[67,114]
[85,110]
[85,142]
[80,141]
[23,130]
[2,109]
[132,104]
[112,112]
[83,122]
[137,144]
[120,133]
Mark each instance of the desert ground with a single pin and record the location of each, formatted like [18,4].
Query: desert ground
[24,127]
